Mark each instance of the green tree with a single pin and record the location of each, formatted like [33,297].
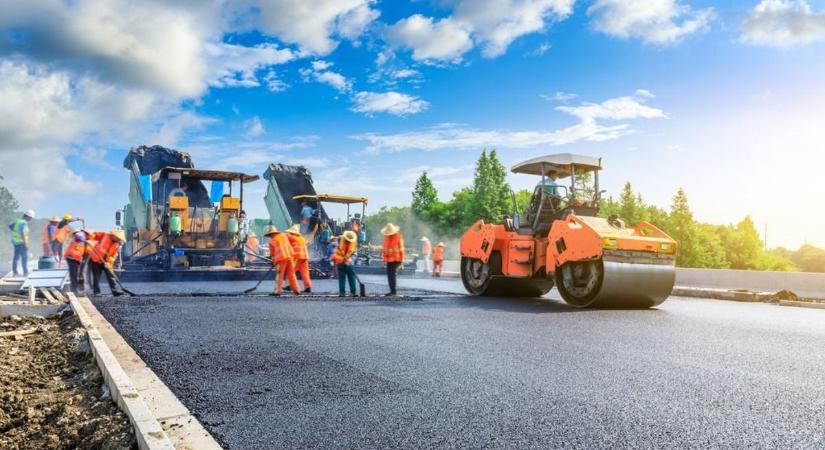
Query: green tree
[8,212]
[523,198]
[631,206]
[424,196]
[490,188]
[809,258]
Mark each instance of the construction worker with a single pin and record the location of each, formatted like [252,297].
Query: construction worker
[251,245]
[63,232]
[47,237]
[301,255]
[102,258]
[347,247]
[20,241]
[306,216]
[281,253]
[393,253]
[75,258]
[426,251]
[438,259]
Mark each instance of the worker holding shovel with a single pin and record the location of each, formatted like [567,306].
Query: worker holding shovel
[75,255]
[342,258]
[282,259]
[102,259]
[393,254]
[301,255]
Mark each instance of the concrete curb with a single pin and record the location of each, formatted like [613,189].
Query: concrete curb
[148,432]
[802,304]
[182,428]
[722,294]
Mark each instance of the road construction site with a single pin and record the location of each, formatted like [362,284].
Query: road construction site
[446,370]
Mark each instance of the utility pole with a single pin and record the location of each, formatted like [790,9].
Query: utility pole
[766,237]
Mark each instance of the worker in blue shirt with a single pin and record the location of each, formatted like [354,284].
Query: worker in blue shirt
[306,216]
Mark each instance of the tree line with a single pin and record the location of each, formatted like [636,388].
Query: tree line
[701,245]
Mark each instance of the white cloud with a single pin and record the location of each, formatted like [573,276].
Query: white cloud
[37,173]
[558,96]
[273,83]
[254,127]
[497,23]
[237,66]
[394,103]
[441,40]
[450,136]
[320,72]
[405,73]
[543,48]
[313,25]
[784,23]
[658,22]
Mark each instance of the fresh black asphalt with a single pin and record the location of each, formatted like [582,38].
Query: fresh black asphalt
[460,372]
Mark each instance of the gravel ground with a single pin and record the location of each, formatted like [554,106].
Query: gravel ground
[51,391]
[458,372]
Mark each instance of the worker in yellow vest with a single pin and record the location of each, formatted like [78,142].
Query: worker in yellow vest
[280,251]
[301,255]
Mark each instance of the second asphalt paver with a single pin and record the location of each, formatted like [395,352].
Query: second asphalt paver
[484,372]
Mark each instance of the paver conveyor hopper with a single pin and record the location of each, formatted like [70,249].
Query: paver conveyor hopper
[594,262]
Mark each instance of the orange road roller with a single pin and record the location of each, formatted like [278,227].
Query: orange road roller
[560,240]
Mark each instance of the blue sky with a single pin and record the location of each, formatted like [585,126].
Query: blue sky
[724,99]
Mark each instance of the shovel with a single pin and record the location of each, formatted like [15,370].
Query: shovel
[117,281]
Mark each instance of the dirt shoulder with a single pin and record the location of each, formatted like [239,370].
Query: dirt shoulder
[51,392]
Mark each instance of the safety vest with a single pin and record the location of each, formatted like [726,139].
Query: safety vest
[344,251]
[394,248]
[46,237]
[438,254]
[75,251]
[299,247]
[19,231]
[279,248]
[62,232]
[106,249]
[252,245]
[426,248]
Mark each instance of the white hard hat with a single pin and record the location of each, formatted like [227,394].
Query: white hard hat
[30,213]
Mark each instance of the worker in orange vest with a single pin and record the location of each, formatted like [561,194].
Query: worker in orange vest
[282,259]
[426,251]
[300,254]
[60,236]
[347,247]
[102,258]
[393,253]
[250,246]
[438,259]
[47,237]
[76,257]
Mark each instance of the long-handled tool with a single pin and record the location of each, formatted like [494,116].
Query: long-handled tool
[266,275]
[361,288]
[111,272]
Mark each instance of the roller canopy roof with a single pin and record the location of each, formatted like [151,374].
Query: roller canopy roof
[562,164]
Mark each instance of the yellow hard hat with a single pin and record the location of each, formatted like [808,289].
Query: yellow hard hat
[251,234]
[54,219]
[294,229]
[119,234]
[270,230]
[350,236]
[440,244]
[67,217]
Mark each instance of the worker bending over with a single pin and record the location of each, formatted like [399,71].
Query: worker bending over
[342,258]
[20,241]
[102,258]
[426,251]
[281,253]
[61,234]
[438,259]
[75,257]
[301,255]
[393,253]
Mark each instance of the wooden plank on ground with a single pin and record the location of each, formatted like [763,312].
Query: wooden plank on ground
[17,333]
[48,295]
[58,295]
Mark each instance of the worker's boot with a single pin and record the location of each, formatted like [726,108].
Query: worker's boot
[308,291]
[275,294]
[117,293]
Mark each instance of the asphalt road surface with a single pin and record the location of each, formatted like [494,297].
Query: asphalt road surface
[460,372]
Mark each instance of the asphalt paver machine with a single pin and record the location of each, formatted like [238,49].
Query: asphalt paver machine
[559,240]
